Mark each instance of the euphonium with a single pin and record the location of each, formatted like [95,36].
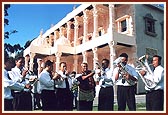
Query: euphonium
[124,70]
[148,77]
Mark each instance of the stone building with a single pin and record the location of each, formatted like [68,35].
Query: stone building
[92,32]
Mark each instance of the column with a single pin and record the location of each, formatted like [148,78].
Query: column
[112,58]
[95,57]
[112,53]
[85,22]
[95,16]
[40,68]
[61,31]
[31,61]
[51,40]
[27,58]
[56,36]
[69,30]
[111,20]
[76,24]
[84,56]
[58,58]
[75,65]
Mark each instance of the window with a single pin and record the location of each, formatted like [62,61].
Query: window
[151,52]
[162,29]
[150,25]
[124,25]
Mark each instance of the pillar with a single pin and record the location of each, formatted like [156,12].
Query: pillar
[40,68]
[75,65]
[27,58]
[58,58]
[95,17]
[69,30]
[95,57]
[85,23]
[84,56]
[76,24]
[31,61]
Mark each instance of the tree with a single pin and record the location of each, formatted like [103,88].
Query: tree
[6,22]
[8,48]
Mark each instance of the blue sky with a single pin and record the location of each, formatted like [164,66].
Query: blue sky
[29,19]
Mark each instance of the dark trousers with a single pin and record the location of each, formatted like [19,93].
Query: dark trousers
[155,100]
[85,105]
[8,104]
[126,95]
[37,100]
[48,100]
[65,99]
[22,101]
[106,99]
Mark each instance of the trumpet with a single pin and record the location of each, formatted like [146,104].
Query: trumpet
[124,70]
[143,65]
[103,74]
[102,71]
[57,76]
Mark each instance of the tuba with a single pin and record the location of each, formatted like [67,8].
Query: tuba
[148,78]
[124,70]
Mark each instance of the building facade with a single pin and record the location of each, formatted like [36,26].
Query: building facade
[92,32]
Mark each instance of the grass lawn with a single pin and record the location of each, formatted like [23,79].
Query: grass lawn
[139,107]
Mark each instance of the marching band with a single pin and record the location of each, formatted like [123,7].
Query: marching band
[56,87]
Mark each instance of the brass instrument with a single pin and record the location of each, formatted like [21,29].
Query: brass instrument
[148,77]
[124,70]
[103,73]
[57,76]
[101,69]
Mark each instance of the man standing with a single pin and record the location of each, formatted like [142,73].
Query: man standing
[155,96]
[106,93]
[22,99]
[125,77]
[64,94]
[10,85]
[47,85]
[86,89]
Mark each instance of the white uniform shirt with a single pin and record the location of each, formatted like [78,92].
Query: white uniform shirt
[131,71]
[107,79]
[15,75]
[46,83]
[10,85]
[61,83]
[158,77]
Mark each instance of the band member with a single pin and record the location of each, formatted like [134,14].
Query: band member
[46,80]
[74,88]
[22,99]
[106,93]
[86,89]
[125,90]
[64,95]
[10,85]
[155,96]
